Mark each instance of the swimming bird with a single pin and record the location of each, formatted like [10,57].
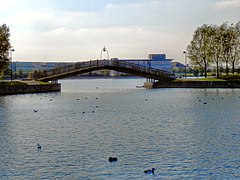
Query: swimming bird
[34,110]
[112,159]
[39,146]
[150,171]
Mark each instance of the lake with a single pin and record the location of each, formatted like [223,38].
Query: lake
[182,133]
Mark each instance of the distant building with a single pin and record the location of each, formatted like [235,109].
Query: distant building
[178,65]
[157,61]
[30,67]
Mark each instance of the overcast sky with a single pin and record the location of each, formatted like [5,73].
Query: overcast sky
[75,30]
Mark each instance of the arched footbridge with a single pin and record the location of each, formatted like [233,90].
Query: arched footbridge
[94,65]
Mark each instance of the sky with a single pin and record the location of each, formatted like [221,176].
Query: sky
[77,30]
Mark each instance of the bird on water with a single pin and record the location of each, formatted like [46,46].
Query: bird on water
[150,171]
[39,146]
[112,159]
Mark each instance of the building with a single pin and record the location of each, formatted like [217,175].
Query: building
[30,67]
[157,61]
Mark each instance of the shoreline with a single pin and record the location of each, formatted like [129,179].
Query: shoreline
[21,87]
[194,84]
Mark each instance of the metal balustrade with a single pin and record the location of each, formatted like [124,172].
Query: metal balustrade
[93,65]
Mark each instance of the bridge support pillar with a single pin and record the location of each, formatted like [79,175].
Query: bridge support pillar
[149,83]
[150,80]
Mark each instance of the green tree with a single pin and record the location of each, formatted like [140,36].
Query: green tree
[5,46]
[216,46]
[199,50]
[235,44]
[226,45]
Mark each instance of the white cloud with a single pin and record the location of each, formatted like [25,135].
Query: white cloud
[227,4]
[82,44]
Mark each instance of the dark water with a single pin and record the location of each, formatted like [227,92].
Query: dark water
[90,120]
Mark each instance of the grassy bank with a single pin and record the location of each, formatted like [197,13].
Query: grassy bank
[198,79]
[12,83]
[22,87]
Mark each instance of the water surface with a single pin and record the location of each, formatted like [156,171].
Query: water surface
[182,133]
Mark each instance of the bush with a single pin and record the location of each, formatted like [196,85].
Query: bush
[234,77]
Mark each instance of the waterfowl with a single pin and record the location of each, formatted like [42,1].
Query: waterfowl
[39,146]
[149,171]
[34,110]
[112,159]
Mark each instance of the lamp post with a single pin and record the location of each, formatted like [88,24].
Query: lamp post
[11,51]
[104,50]
[185,59]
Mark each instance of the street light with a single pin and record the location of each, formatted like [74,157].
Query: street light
[11,51]
[104,50]
[185,59]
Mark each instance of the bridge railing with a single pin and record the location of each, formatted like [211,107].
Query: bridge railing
[101,63]
[138,67]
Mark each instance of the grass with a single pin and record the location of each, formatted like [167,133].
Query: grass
[12,83]
[199,79]
[21,83]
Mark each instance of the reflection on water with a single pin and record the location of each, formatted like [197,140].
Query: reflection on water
[171,130]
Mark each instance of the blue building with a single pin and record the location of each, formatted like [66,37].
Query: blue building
[157,61]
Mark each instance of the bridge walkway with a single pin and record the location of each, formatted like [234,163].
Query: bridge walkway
[93,65]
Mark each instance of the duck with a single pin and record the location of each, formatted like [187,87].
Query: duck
[150,171]
[39,146]
[112,159]
[34,110]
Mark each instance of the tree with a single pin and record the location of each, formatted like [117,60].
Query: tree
[235,45]
[216,46]
[226,44]
[199,50]
[5,46]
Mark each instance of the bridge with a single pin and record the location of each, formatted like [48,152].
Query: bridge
[94,65]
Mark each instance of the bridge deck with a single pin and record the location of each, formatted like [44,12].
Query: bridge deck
[116,65]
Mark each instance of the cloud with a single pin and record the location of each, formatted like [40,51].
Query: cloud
[86,43]
[227,4]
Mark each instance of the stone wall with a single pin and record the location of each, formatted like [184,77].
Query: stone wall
[197,84]
[22,89]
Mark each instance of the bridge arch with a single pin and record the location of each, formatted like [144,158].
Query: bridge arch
[116,65]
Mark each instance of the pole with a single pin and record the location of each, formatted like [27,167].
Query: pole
[185,59]
[11,51]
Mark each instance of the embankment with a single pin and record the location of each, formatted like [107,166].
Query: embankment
[22,88]
[197,84]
